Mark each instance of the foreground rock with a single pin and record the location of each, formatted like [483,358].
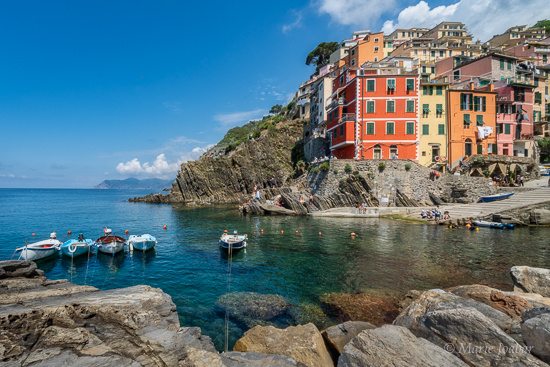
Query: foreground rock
[304,343]
[536,333]
[238,359]
[252,309]
[531,280]
[394,346]
[338,336]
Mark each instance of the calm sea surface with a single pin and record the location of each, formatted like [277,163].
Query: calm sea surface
[387,257]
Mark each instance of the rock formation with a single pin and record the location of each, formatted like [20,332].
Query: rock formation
[531,280]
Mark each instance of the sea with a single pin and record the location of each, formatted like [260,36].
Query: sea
[302,259]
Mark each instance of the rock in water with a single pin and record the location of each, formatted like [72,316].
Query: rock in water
[304,343]
[531,280]
[238,359]
[359,307]
[396,346]
[253,309]
[408,299]
[17,268]
[339,335]
[536,334]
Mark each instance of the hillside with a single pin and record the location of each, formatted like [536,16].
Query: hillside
[155,184]
[270,151]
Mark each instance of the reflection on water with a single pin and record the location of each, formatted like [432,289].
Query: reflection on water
[386,258]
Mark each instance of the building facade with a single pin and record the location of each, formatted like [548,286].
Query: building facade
[433,123]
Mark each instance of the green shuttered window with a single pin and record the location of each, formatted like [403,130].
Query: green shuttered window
[410,128]
[370,85]
[390,106]
[370,106]
[390,128]
[441,129]
[410,106]
[370,128]
[425,129]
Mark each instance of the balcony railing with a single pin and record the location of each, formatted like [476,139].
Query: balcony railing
[347,117]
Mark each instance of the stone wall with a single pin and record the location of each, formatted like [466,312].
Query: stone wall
[416,183]
[524,165]
[313,146]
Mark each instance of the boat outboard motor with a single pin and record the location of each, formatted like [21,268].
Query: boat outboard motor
[53,236]
[107,231]
[235,233]
[81,237]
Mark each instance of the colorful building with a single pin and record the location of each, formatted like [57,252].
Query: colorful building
[471,123]
[516,35]
[374,114]
[433,124]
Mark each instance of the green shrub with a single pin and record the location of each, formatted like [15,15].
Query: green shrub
[371,175]
[315,170]
[486,173]
[256,134]
[347,168]
[382,166]
[335,171]
[324,166]
[408,166]
[480,160]
[343,179]
[358,176]
[290,106]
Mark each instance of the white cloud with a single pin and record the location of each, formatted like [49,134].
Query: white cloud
[106,173]
[173,105]
[484,18]
[355,12]
[297,23]
[236,118]
[11,175]
[160,168]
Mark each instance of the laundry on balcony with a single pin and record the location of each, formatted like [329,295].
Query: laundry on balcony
[484,131]
[526,117]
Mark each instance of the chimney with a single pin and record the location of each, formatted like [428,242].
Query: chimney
[491,87]
[472,85]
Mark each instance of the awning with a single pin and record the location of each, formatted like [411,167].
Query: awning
[492,167]
[337,92]
[513,167]
[502,167]
[477,169]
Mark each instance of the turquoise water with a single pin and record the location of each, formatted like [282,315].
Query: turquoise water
[386,257]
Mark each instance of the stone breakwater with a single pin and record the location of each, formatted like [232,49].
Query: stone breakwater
[54,323]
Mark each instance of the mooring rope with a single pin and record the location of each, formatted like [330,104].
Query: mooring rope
[229,265]
[87,265]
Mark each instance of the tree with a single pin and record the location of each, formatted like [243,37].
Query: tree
[290,106]
[321,55]
[276,109]
[542,23]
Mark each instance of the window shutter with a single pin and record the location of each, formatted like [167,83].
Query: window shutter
[495,148]
[441,129]
[341,130]
[466,119]
[370,128]
[471,101]
[479,149]
[425,129]
[439,109]
[370,106]
[479,120]
[484,104]
[426,109]
[431,90]
[410,106]
[439,90]
[410,127]
[462,98]
[507,128]
[390,128]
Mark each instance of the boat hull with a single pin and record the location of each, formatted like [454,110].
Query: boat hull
[37,254]
[143,245]
[480,223]
[111,247]
[234,246]
[75,248]
[487,199]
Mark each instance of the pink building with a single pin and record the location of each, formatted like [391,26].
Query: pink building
[514,119]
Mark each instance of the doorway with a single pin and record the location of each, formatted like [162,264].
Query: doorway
[377,152]
[468,148]
[435,153]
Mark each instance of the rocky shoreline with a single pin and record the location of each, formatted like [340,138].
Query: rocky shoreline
[47,323]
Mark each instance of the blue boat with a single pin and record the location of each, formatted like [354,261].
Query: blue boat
[495,197]
[142,242]
[482,223]
[74,248]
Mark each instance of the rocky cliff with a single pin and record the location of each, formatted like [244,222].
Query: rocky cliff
[231,177]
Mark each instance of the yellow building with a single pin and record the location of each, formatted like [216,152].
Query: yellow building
[432,122]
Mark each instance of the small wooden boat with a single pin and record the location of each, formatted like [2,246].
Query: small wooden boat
[482,223]
[142,242]
[233,241]
[495,197]
[74,248]
[110,244]
[39,250]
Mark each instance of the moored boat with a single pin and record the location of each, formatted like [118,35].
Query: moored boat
[482,223]
[233,241]
[74,248]
[496,197]
[40,250]
[110,244]
[142,242]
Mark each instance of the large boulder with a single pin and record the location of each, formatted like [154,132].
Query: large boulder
[304,343]
[338,336]
[539,216]
[18,269]
[436,299]
[407,299]
[252,309]
[536,334]
[239,359]
[276,210]
[476,339]
[510,303]
[395,346]
[531,280]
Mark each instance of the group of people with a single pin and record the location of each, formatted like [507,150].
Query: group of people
[362,208]
[322,159]
[435,214]
[303,201]
[507,181]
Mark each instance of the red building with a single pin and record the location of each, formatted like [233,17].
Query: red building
[374,114]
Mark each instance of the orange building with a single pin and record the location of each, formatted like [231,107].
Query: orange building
[374,114]
[369,49]
[471,122]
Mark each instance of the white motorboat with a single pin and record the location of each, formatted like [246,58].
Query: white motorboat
[142,242]
[110,244]
[233,241]
[40,250]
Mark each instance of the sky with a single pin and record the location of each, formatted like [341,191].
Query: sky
[93,91]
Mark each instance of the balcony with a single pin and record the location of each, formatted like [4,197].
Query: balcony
[337,102]
[347,117]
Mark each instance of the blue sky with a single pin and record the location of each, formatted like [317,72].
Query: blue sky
[95,91]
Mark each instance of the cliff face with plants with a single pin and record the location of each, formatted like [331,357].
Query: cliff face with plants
[270,150]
